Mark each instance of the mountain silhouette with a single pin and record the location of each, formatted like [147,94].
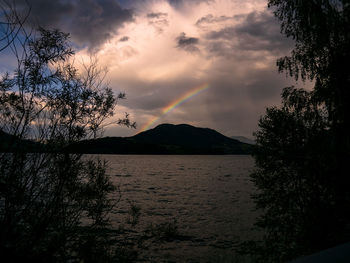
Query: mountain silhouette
[243,139]
[10,143]
[165,139]
[186,135]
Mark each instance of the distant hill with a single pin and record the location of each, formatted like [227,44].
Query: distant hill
[10,143]
[243,139]
[165,139]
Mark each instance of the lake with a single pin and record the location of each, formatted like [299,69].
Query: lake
[205,200]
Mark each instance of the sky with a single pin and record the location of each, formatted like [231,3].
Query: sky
[160,51]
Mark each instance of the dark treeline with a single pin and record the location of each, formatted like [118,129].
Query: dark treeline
[303,154]
[163,139]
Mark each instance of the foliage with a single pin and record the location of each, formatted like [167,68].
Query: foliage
[303,146]
[54,206]
[320,29]
[11,23]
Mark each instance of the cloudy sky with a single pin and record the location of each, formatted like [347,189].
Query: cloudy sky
[157,51]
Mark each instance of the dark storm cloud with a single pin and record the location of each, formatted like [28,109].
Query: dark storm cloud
[124,39]
[157,15]
[187,43]
[265,85]
[179,3]
[90,22]
[258,31]
[159,20]
[236,102]
[210,19]
[227,33]
[264,29]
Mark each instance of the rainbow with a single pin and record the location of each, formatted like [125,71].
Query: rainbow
[174,104]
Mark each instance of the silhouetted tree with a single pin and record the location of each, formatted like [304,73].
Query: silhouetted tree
[302,178]
[11,23]
[54,206]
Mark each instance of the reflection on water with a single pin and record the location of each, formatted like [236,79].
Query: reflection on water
[207,196]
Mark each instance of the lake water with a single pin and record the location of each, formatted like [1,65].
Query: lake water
[206,197]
